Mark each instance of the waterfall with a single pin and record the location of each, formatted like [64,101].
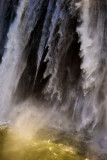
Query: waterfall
[91,33]
[56,54]
[11,63]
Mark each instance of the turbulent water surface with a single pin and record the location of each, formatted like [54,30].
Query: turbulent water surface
[46,144]
[53,72]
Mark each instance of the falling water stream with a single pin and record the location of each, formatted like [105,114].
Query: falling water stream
[53,80]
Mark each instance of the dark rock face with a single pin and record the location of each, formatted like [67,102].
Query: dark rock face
[7,13]
[59,41]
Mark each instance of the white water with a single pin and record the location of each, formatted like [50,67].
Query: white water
[90,48]
[11,66]
[91,53]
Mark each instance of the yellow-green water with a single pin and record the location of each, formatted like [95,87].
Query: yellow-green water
[13,147]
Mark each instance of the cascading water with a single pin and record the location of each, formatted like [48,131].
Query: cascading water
[10,63]
[94,62]
[56,55]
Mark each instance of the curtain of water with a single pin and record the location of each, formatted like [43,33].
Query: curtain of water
[9,74]
[64,46]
